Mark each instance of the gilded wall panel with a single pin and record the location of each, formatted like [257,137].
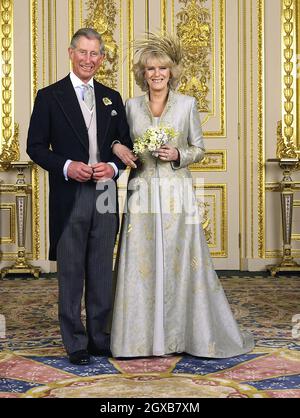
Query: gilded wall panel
[261,128]
[297,6]
[9,143]
[195,22]
[281,120]
[102,16]
[8,216]
[205,27]
[8,223]
[204,59]
[212,203]
[289,73]
[213,161]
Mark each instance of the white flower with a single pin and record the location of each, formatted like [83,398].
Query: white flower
[153,139]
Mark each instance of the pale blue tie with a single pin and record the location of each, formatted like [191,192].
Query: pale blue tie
[88,95]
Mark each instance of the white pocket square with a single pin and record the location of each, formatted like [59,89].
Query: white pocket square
[114,112]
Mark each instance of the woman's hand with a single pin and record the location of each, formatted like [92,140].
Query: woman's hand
[168,153]
[125,154]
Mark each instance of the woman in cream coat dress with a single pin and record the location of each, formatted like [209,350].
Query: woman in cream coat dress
[168,296]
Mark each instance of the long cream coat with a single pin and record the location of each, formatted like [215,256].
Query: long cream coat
[168,296]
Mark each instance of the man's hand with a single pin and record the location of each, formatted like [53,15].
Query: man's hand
[79,171]
[125,154]
[102,171]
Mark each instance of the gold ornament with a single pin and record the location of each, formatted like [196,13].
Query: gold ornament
[195,33]
[102,17]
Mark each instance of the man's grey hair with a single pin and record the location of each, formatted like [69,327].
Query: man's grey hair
[89,33]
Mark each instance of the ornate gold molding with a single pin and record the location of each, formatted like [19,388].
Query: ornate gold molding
[45,191]
[81,13]
[289,59]
[50,44]
[163,16]
[11,207]
[36,240]
[278,254]
[215,160]
[71,18]
[121,46]
[9,150]
[35,212]
[55,37]
[173,16]
[102,17]
[195,28]
[295,237]
[287,145]
[243,89]
[271,186]
[222,131]
[147,21]
[261,133]
[71,10]
[130,22]
[210,228]
[43,45]
[207,224]
[251,121]
[223,227]
[285,148]
[33,27]
[71,7]
[52,41]
[32,190]
[297,63]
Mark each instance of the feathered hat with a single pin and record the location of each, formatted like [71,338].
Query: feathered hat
[160,44]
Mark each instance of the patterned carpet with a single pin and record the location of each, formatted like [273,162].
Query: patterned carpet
[33,363]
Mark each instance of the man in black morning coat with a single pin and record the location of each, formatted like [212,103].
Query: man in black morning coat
[72,128]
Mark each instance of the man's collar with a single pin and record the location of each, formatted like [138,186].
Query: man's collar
[77,82]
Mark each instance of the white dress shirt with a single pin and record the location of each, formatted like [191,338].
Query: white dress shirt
[77,84]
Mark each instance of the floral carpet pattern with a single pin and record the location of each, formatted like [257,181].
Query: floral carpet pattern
[33,363]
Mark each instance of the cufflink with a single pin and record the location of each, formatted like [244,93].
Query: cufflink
[114,112]
[115,142]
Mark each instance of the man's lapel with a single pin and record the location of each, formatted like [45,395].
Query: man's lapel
[103,113]
[67,99]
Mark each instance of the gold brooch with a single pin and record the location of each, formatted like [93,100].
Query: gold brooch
[107,101]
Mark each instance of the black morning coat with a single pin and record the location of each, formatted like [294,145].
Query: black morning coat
[57,132]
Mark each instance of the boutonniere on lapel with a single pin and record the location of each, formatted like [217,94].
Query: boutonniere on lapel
[107,101]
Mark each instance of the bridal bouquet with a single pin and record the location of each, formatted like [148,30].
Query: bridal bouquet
[153,139]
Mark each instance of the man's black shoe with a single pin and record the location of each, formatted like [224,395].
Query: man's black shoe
[99,353]
[80,357]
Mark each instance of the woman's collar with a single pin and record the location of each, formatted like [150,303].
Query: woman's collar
[170,100]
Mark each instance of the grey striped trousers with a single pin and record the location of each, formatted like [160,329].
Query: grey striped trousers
[84,263]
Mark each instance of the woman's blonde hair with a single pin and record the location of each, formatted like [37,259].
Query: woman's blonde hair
[166,49]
